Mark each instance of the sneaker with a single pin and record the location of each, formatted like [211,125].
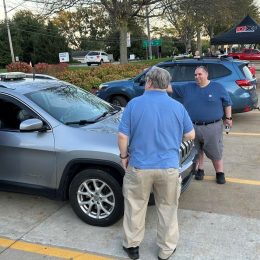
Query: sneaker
[199,175]
[159,258]
[220,178]
[132,252]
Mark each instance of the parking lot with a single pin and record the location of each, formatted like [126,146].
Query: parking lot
[216,221]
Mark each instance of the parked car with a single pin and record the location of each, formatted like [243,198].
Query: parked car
[59,141]
[246,54]
[96,57]
[234,75]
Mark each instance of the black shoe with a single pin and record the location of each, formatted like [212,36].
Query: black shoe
[199,175]
[220,178]
[132,252]
[159,258]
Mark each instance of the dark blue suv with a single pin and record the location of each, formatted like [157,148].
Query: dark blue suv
[234,75]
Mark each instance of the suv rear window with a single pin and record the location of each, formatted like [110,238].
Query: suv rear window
[93,53]
[246,71]
[217,71]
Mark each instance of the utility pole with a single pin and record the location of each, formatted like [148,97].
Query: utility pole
[148,34]
[9,34]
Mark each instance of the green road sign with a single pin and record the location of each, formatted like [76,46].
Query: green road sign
[155,42]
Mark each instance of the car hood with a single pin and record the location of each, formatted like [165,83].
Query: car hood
[108,125]
[122,82]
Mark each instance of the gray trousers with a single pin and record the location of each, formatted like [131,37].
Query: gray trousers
[166,186]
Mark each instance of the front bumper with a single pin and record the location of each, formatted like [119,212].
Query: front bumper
[186,169]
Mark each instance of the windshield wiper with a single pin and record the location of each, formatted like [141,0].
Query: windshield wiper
[81,122]
[85,122]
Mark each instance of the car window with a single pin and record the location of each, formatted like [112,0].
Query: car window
[256,51]
[12,114]
[247,51]
[217,71]
[67,103]
[93,53]
[172,69]
[103,53]
[185,72]
[246,71]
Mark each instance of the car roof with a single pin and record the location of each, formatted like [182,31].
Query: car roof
[203,60]
[28,83]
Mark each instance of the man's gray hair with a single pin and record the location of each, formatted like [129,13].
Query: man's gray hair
[160,77]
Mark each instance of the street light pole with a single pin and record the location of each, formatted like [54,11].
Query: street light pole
[9,34]
[148,34]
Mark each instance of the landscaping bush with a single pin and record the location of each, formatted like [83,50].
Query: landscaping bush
[90,78]
[87,78]
[19,67]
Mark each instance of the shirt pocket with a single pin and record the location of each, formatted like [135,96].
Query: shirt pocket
[211,98]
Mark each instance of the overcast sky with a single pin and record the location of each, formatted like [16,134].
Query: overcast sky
[14,5]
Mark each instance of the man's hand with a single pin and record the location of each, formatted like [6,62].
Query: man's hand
[125,162]
[228,122]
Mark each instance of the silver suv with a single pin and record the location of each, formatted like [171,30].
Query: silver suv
[60,141]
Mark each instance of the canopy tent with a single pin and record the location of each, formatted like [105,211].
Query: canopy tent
[246,32]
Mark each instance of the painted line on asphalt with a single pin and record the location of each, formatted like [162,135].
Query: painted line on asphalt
[243,134]
[49,250]
[235,180]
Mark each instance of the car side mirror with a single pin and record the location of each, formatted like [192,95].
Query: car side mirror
[31,125]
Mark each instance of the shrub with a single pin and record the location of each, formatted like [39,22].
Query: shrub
[19,66]
[41,68]
[51,69]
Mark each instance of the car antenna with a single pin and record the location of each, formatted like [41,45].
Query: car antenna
[33,69]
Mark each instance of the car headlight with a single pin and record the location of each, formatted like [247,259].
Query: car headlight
[102,86]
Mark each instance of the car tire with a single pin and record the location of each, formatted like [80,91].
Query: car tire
[119,101]
[100,207]
[101,62]
[88,63]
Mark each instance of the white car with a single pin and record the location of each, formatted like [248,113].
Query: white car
[96,57]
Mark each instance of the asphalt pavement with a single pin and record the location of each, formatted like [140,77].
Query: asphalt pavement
[215,221]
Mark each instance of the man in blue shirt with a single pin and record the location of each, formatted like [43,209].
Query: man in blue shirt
[150,134]
[207,102]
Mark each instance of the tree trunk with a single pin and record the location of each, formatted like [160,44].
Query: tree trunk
[198,41]
[123,42]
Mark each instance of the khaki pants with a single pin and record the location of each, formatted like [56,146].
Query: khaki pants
[166,186]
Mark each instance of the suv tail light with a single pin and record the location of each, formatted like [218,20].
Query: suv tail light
[98,56]
[245,84]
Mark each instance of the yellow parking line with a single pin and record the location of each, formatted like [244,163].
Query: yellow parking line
[235,180]
[49,251]
[243,134]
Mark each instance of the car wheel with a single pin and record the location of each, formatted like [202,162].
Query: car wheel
[88,63]
[96,197]
[119,101]
[101,62]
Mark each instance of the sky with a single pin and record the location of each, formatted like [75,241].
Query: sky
[14,5]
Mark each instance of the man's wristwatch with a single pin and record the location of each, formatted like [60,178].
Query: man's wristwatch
[228,118]
[123,157]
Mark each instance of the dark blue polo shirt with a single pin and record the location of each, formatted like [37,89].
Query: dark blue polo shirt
[155,124]
[203,104]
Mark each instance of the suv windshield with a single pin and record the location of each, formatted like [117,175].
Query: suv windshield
[71,105]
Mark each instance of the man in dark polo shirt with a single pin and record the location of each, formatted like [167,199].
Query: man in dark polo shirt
[207,103]
[150,133]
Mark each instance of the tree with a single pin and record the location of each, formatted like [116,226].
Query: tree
[85,28]
[119,11]
[191,17]
[33,40]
